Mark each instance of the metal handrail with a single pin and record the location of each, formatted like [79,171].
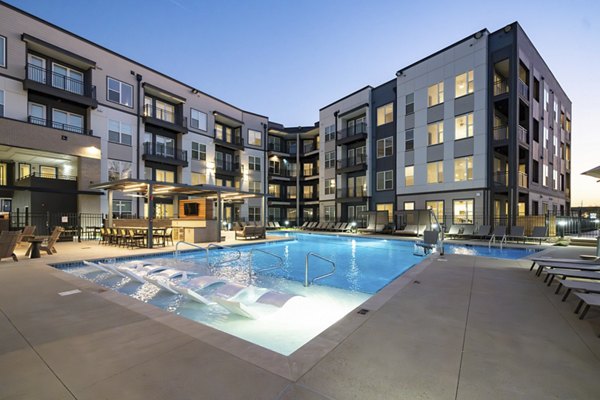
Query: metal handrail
[492,240]
[308,255]
[279,266]
[440,243]
[188,243]
[221,246]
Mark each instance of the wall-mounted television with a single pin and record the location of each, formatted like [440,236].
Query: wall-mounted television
[190,209]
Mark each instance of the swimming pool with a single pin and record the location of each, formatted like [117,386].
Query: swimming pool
[363,267]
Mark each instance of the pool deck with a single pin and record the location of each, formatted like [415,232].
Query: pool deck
[457,328]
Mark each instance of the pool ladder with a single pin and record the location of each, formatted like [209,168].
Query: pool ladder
[279,265]
[308,256]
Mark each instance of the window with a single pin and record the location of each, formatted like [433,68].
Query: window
[329,213]
[118,170]
[409,141]
[164,176]
[291,192]
[67,121]
[546,99]
[385,114]
[463,126]
[254,138]
[545,137]
[330,159]
[308,169]
[329,186]
[385,147]
[435,94]
[198,120]
[536,89]
[555,179]
[2,51]
[464,84]
[410,103]
[67,79]
[274,143]
[24,170]
[120,92]
[254,186]
[119,132]
[435,133]
[535,173]
[254,214]
[435,172]
[462,211]
[254,163]
[121,208]
[307,214]
[198,178]
[409,175]
[3,176]
[568,125]
[545,175]
[48,172]
[409,205]
[437,206]
[555,145]
[329,133]
[463,169]
[198,151]
[307,192]
[385,180]
[159,109]
[292,170]
[274,214]
[556,114]
[274,167]
[1,103]
[389,207]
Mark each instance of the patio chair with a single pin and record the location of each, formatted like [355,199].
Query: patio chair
[579,286]
[277,226]
[49,241]
[28,232]
[499,233]
[539,233]
[166,236]
[8,242]
[408,230]
[304,225]
[589,299]
[516,233]
[134,238]
[370,227]
[342,227]
[454,231]
[467,232]
[483,232]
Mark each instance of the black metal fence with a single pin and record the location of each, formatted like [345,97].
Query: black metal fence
[82,226]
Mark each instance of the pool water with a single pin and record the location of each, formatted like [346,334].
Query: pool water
[363,267]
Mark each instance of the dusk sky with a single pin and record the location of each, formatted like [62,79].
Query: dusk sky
[287,59]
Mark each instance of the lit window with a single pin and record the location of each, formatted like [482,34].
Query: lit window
[546,98]
[409,205]
[545,137]
[118,170]
[254,138]
[385,147]
[435,94]
[385,180]
[329,186]
[198,120]
[120,92]
[462,211]
[307,192]
[198,178]
[385,114]
[437,206]
[409,175]
[119,132]
[463,169]
[463,126]
[464,84]
[274,190]
[389,207]
[545,176]
[291,192]
[164,176]
[274,167]
[198,151]
[329,213]
[121,208]
[435,133]
[435,172]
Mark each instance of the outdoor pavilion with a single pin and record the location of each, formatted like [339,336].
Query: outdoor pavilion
[150,189]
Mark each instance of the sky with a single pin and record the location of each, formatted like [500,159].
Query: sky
[288,58]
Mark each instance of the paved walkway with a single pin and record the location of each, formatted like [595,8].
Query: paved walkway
[463,328]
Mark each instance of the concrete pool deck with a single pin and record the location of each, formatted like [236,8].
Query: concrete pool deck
[463,328]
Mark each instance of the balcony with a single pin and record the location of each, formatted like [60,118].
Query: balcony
[228,168]
[501,179]
[57,125]
[357,194]
[500,87]
[314,196]
[59,183]
[58,85]
[162,118]
[164,154]
[522,180]
[282,173]
[523,90]
[312,173]
[352,164]
[500,132]
[276,148]
[309,147]
[352,134]
[522,134]
[233,142]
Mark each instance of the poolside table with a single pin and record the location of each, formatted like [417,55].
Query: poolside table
[34,247]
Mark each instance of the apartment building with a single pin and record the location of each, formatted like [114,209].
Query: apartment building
[477,131]
[75,114]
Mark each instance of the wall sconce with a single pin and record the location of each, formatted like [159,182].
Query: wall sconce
[195,91]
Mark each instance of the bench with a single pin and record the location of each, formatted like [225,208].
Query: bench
[589,299]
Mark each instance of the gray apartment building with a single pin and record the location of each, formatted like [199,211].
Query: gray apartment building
[477,131]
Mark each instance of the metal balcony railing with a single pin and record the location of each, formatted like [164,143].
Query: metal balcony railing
[360,160]
[164,151]
[60,81]
[354,130]
[276,147]
[522,180]
[522,134]
[344,193]
[236,140]
[49,176]
[308,147]
[500,87]
[501,179]
[58,125]
[307,173]
[283,172]
[227,166]
[501,132]
[164,115]
[523,89]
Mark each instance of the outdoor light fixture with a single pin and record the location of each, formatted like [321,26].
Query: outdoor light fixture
[287,223]
[353,224]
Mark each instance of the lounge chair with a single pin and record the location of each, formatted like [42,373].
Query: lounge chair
[499,233]
[589,299]
[336,227]
[370,227]
[566,261]
[277,226]
[311,225]
[409,230]
[251,232]
[539,233]
[568,273]
[580,286]
[483,232]
[342,227]
[467,232]
[569,266]
[516,233]
[304,225]
[454,231]
[28,232]
[8,242]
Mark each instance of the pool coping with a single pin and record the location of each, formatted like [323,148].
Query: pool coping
[291,367]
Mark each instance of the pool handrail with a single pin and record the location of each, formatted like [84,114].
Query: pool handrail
[441,229]
[308,255]
[279,266]
[188,243]
[221,246]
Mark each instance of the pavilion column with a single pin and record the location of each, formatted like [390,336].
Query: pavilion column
[264,210]
[109,218]
[149,237]
[219,216]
